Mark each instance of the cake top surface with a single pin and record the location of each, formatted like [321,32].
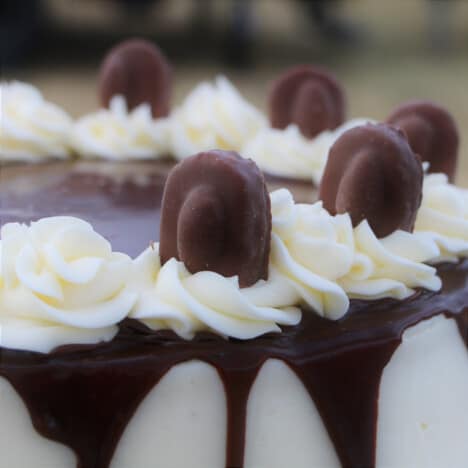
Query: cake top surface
[203,246]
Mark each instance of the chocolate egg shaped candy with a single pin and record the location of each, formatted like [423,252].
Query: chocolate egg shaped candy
[139,71]
[216,216]
[309,97]
[373,174]
[432,134]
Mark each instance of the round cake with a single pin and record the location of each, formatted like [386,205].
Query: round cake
[226,290]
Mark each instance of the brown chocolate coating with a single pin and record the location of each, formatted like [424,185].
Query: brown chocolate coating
[309,97]
[432,134]
[138,70]
[373,174]
[216,216]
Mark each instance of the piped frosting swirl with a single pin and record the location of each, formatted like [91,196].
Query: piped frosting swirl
[443,217]
[213,115]
[32,128]
[61,284]
[119,134]
[287,153]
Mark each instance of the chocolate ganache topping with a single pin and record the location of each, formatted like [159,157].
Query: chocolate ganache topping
[373,174]
[309,97]
[432,134]
[216,216]
[138,70]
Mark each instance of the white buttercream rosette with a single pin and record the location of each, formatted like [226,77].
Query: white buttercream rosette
[170,297]
[31,128]
[287,153]
[443,217]
[119,134]
[308,240]
[62,284]
[213,115]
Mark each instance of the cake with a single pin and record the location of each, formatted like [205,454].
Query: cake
[202,315]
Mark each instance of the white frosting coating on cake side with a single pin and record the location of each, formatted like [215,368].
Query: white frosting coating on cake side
[183,418]
[421,424]
[284,427]
[31,128]
[422,419]
[119,134]
[21,446]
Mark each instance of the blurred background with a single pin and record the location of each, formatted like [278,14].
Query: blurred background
[383,52]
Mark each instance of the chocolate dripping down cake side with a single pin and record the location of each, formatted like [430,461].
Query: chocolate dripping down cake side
[202,314]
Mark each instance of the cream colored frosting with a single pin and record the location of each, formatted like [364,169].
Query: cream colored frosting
[118,134]
[390,267]
[171,297]
[213,115]
[311,250]
[354,259]
[61,284]
[288,153]
[443,216]
[31,128]
[60,281]
[317,260]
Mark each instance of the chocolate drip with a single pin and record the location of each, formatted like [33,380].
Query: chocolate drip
[69,401]
[238,382]
[345,387]
[84,397]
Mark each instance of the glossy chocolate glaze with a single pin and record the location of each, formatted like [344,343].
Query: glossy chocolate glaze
[85,396]
[121,200]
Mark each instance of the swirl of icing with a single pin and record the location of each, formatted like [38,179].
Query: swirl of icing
[288,153]
[62,284]
[443,216]
[117,134]
[311,250]
[171,297]
[390,267]
[353,259]
[213,116]
[32,129]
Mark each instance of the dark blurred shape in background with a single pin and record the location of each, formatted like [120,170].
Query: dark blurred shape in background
[384,52]
[236,31]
